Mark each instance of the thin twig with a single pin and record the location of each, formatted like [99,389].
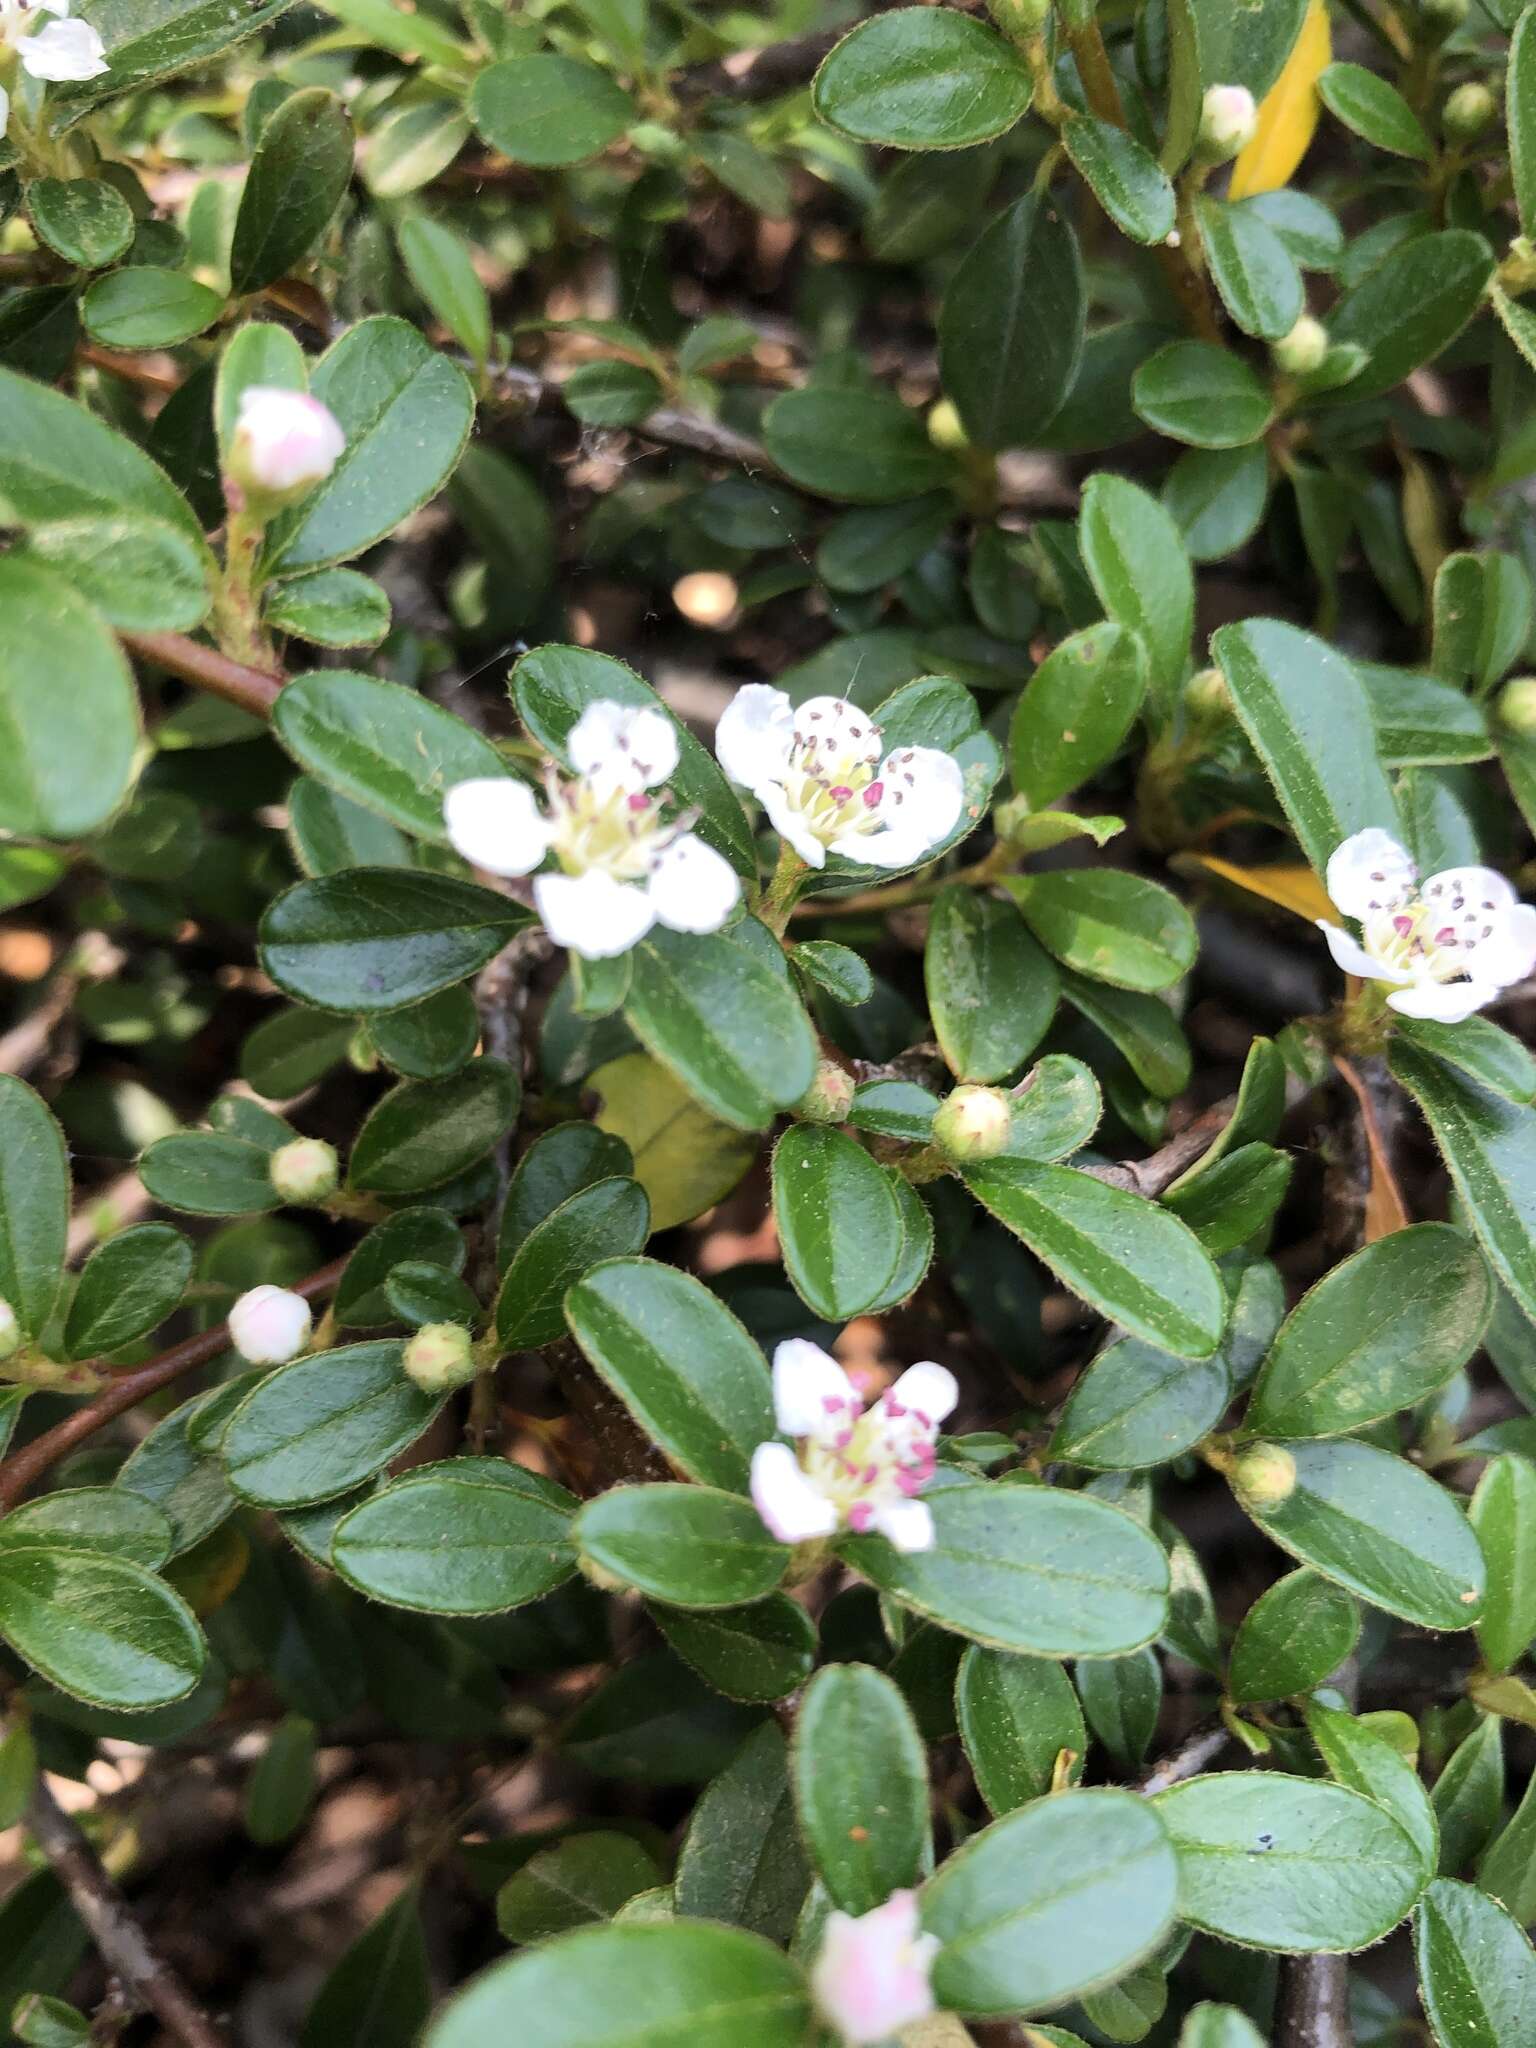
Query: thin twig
[1200,1747]
[22,1470]
[121,1941]
[252,689]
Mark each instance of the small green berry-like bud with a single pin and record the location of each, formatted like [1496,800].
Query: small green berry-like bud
[1303,350]
[305,1171]
[1228,119]
[945,429]
[1468,111]
[1207,697]
[1264,1477]
[829,1097]
[1517,707]
[973,1123]
[440,1357]
[10,1329]
[1020,17]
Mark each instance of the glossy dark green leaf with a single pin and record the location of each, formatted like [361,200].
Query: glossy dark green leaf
[1028,1568]
[1376,1334]
[1137,1406]
[1132,1261]
[441,264]
[408,1235]
[1114,926]
[1489,1144]
[299,170]
[681,1362]
[920,79]
[186,1483]
[1203,395]
[1139,567]
[839,1221]
[1076,711]
[1520,115]
[992,990]
[206,1173]
[1360,1756]
[380,1993]
[97,1627]
[860,1776]
[373,939]
[329,608]
[857,446]
[760,1652]
[1217,497]
[128,1287]
[34,1205]
[324,1424]
[607,1219]
[94,1518]
[1503,1515]
[1468,1796]
[1295,1634]
[1051,1902]
[1306,713]
[1011,327]
[141,306]
[1017,1715]
[1382,1528]
[1127,180]
[691,1546]
[1276,1862]
[471,1536]
[557,1165]
[1477,1970]
[85,220]
[548,110]
[1480,1049]
[1374,109]
[1411,306]
[578,1880]
[741,1860]
[1142,1029]
[425,1132]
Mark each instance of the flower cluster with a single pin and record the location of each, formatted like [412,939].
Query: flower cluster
[625,859]
[856,1468]
[1448,945]
[821,775]
[54,51]
[870,1978]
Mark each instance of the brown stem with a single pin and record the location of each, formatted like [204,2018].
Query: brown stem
[1200,1747]
[123,1945]
[1152,1177]
[253,689]
[25,1467]
[1312,2010]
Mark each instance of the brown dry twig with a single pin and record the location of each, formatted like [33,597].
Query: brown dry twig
[122,1943]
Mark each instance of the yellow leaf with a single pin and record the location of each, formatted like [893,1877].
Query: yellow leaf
[1288,114]
[1292,887]
[685,1159]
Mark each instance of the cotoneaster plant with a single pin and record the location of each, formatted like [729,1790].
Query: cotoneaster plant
[767,1131]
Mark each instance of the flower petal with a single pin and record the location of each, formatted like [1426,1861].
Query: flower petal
[753,738]
[592,914]
[63,50]
[1368,870]
[1448,1002]
[693,888]
[791,1508]
[905,1524]
[922,792]
[497,825]
[928,1390]
[5,112]
[789,824]
[1508,954]
[1351,956]
[870,1979]
[623,746]
[812,1395]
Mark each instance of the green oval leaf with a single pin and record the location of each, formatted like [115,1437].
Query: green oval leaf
[129,1286]
[548,110]
[1297,1631]
[606,1220]
[1203,395]
[99,1628]
[691,1546]
[1477,1970]
[318,1427]
[424,1132]
[1114,926]
[472,1536]
[922,78]
[839,1221]
[991,990]
[1375,110]
[301,166]
[1017,1714]
[1411,306]
[1127,180]
[860,1776]
[34,1205]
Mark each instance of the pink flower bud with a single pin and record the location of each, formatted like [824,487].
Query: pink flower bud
[269,1325]
[871,1977]
[10,1329]
[304,1171]
[285,442]
[1228,119]
[440,1357]
[973,1123]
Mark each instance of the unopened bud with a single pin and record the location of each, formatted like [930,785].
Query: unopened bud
[829,1097]
[973,1123]
[10,1329]
[269,1325]
[1264,1477]
[1207,696]
[1228,119]
[305,1171]
[1440,18]
[440,1357]
[1020,17]
[1517,707]
[1303,350]
[285,443]
[945,429]
[1468,111]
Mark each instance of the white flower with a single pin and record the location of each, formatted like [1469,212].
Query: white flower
[856,1468]
[269,1325]
[819,775]
[1449,945]
[624,865]
[57,50]
[871,1977]
[285,441]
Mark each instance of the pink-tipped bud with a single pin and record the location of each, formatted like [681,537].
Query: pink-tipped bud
[10,1329]
[1228,119]
[269,1325]
[305,1171]
[829,1097]
[973,1123]
[440,1357]
[871,1978]
[285,443]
